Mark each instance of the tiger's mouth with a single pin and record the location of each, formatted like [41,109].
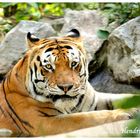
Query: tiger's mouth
[63,97]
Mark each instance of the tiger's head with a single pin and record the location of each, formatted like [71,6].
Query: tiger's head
[57,68]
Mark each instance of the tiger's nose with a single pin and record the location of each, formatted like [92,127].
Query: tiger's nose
[65,88]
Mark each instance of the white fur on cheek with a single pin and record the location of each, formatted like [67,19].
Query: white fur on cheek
[48,58]
[73,55]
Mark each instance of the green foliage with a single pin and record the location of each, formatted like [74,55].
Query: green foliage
[5,4]
[133,128]
[128,102]
[121,11]
[21,11]
[102,34]
[114,11]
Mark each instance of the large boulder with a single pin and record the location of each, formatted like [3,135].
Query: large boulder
[14,44]
[123,54]
[88,22]
[56,22]
[103,81]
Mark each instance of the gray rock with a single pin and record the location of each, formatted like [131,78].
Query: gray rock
[14,44]
[123,54]
[87,22]
[103,81]
[56,22]
[2,34]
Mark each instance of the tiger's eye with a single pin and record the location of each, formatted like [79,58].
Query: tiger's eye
[74,63]
[48,66]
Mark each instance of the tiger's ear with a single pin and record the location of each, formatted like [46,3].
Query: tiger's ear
[32,40]
[77,38]
[73,33]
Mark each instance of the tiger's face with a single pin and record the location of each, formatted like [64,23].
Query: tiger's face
[57,69]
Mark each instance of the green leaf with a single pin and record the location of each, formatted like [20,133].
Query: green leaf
[102,34]
[110,6]
[128,102]
[35,5]
[6,4]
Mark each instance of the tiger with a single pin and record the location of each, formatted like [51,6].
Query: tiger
[47,92]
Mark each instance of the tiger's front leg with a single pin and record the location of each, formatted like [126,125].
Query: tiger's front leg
[42,126]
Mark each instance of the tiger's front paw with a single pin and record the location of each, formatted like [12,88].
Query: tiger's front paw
[132,112]
[125,114]
[122,116]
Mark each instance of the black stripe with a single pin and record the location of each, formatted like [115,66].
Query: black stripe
[40,64]
[57,97]
[31,71]
[38,58]
[10,107]
[2,111]
[95,107]
[65,42]
[23,60]
[22,63]
[50,49]
[53,109]
[51,43]
[45,41]
[36,81]
[42,47]
[67,111]
[42,72]
[92,102]
[36,92]
[109,105]
[35,68]
[56,41]
[67,47]
[31,74]
[79,102]
[84,74]
[83,104]
[20,120]
[45,114]
[14,122]
[48,55]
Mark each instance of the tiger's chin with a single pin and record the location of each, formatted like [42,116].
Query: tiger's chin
[63,102]
[65,105]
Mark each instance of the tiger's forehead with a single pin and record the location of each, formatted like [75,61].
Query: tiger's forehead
[58,41]
[57,44]
[54,49]
[63,49]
